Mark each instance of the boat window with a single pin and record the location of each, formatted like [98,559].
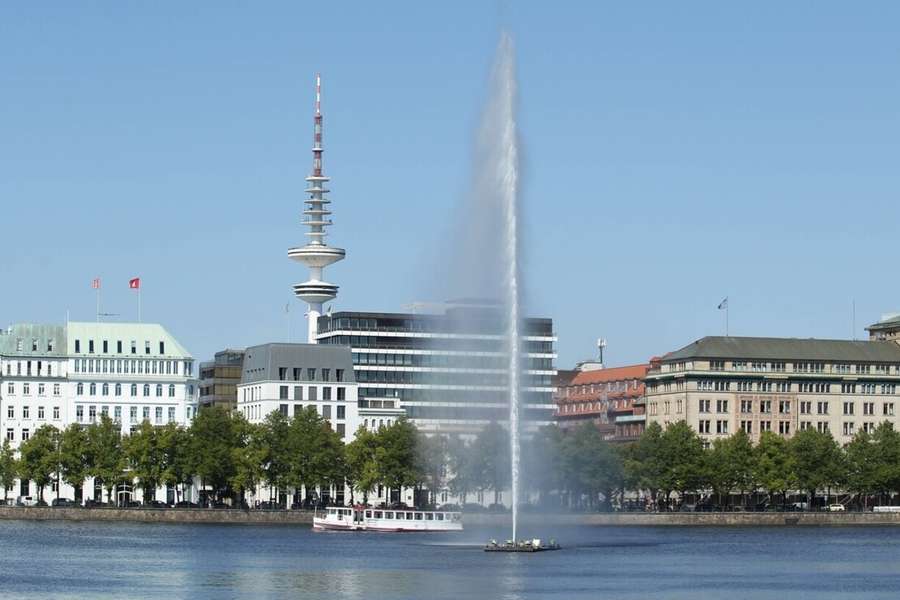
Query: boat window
[401,515]
[418,516]
[388,515]
[409,516]
[368,514]
[455,516]
[429,516]
[377,514]
[440,516]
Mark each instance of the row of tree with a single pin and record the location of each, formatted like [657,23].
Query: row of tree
[232,457]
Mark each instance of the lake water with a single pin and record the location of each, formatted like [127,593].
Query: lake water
[123,560]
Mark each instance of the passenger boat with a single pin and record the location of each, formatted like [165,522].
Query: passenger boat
[364,518]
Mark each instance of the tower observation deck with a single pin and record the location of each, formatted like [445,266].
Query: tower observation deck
[316,254]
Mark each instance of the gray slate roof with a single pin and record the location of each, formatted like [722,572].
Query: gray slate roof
[760,348]
[261,363]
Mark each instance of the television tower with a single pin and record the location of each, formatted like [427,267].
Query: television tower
[316,254]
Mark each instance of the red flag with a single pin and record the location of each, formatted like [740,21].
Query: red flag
[134,284]
[95,284]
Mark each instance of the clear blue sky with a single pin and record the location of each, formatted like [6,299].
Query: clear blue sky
[675,153]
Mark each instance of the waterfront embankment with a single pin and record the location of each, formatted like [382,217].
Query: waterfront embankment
[304,517]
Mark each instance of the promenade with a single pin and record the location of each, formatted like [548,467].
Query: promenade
[304,517]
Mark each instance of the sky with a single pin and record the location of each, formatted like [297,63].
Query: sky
[674,154]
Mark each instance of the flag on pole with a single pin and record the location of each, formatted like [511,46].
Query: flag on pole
[723,304]
[134,284]
[95,284]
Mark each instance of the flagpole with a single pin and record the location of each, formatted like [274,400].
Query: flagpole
[98,303]
[139,303]
[727,308]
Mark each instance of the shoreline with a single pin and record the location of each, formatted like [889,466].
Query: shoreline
[305,517]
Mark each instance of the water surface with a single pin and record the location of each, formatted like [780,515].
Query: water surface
[125,560]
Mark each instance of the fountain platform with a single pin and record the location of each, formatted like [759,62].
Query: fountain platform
[534,545]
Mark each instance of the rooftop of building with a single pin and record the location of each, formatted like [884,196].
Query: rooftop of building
[33,339]
[262,363]
[766,348]
[625,373]
[140,333]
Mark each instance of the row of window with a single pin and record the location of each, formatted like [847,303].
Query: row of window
[782,387]
[464,378]
[105,347]
[298,372]
[134,414]
[32,368]
[128,366]
[20,344]
[765,407]
[254,393]
[105,389]
[26,389]
[795,367]
[455,361]
[26,412]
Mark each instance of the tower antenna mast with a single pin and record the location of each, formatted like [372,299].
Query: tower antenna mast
[316,254]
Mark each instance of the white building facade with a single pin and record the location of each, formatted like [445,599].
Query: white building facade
[75,373]
[289,378]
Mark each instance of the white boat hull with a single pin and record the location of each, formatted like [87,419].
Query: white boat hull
[345,519]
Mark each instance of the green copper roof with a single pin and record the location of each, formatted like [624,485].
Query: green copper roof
[21,338]
[140,333]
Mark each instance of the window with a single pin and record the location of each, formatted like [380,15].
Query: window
[93,389]
[704,405]
[159,414]
[282,373]
[56,413]
[822,427]
[868,408]
[134,346]
[341,412]
[11,389]
[171,414]
[146,346]
[326,411]
[26,389]
[341,429]
[765,426]
[90,346]
[119,347]
[784,406]
[25,412]
[25,435]
[79,413]
[848,428]
[92,413]
[704,426]
[145,413]
[747,427]
[42,391]
[805,407]
[822,408]
[105,347]
[310,374]
[313,393]
[77,346]
[162,348]
[765,406]
[784,427]
[722,406]
[326,393]
[888,409]
[283,409]
[105,389]
[117,414]
[283,394]
[11,434]
[746,406]
[722,427]
[339,375]
[717,365]
[298,392]
[40,413]
[171,390]
[848,408]
[146,389]
[56,389]
[132,413]
[159,390]
[326,374]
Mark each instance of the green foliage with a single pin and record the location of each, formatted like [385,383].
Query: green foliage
[682,459]
[9,469]
[39,459]
[773,466]
[361,463]
[108,461]
[213,437]
[75,457]
[817,460]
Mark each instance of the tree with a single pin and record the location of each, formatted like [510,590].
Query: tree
[643,465]
[491,461]
[38,457]
[249,457]
[179,469]
[431,458]
[863,465]
[362,463]
[542,462]
[773,467]
[108,458]
[396,455]
[275,443]
[316,452]
[463,465]
[212,440]
[817,461]
[591,466]
[730,464]
[146,458]
[887,442]
[682,460]
[8,468]
[75,458]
